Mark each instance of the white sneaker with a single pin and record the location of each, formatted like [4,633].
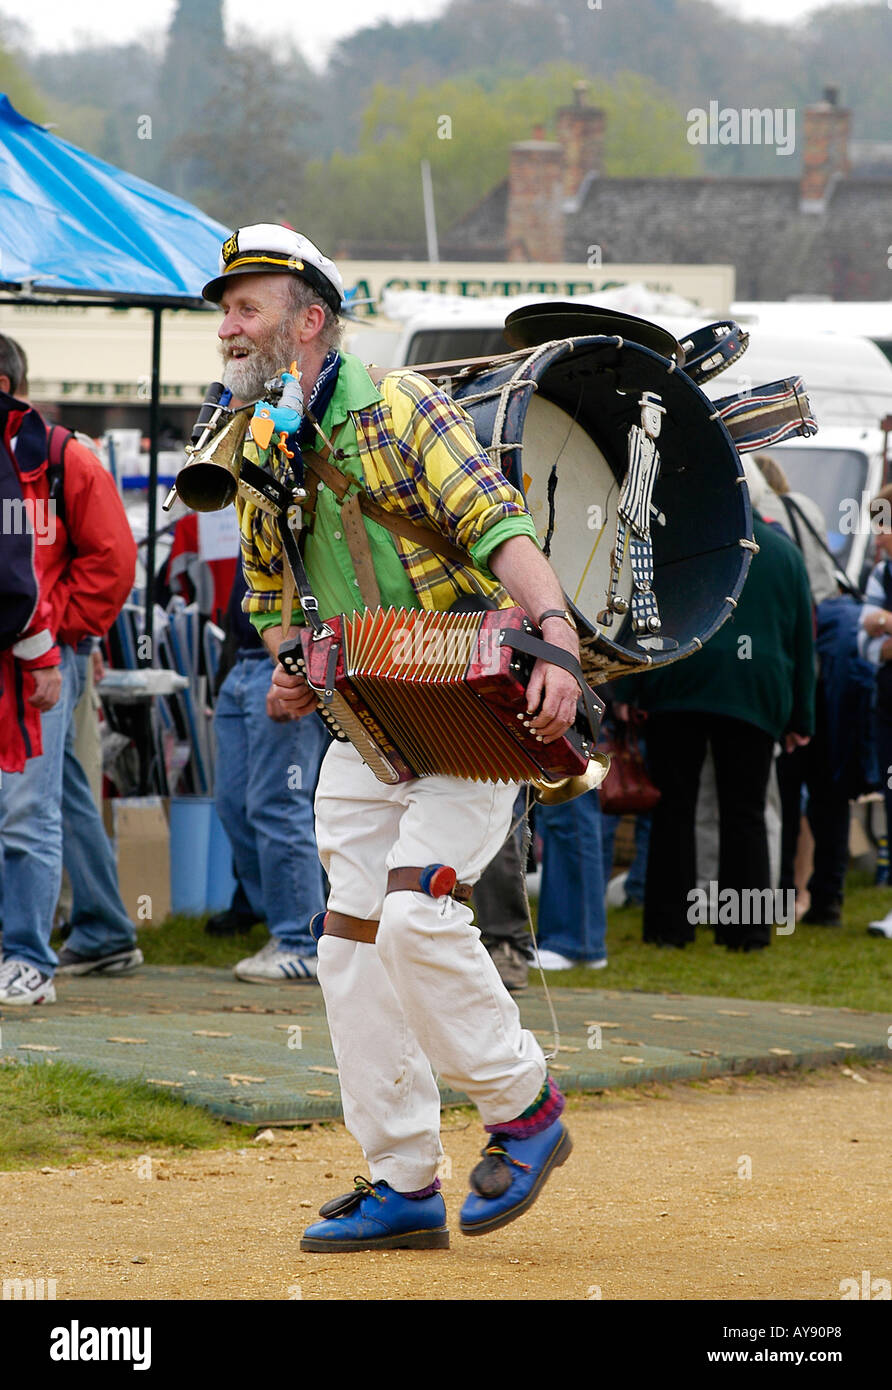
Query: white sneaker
[599,964]
[616,890]
[21,983]
[551,960]
[275,964]
[881,928]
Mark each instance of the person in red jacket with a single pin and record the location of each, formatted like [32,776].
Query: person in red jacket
[30,681]
[85,562]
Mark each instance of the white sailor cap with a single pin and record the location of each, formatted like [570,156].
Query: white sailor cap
[268,248]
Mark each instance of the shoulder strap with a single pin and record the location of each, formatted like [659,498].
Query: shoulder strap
[792,510]
[320,464]
[58,439]
[842,578]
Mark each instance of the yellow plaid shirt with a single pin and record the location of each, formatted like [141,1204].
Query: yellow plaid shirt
[415,454]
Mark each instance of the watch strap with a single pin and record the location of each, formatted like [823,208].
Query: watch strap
[557,613]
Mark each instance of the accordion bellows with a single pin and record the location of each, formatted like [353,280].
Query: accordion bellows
[422,694]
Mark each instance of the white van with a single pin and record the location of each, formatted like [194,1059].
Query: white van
[819,318]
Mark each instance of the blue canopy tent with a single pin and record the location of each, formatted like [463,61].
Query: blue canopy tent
[74,229]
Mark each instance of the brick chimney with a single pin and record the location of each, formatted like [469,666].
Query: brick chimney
[825,154]
[535,222]
[580,132]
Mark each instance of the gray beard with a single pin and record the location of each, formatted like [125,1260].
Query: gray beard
[246,376]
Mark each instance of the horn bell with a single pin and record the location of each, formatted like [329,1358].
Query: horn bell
[555,793]
[208,481]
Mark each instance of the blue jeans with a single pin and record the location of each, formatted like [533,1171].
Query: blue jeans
[266,779]
[638,867]
[572,916]
[45,811]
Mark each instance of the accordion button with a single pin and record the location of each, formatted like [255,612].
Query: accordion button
[337,535]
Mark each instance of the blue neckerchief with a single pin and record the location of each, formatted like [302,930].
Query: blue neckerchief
[320,397]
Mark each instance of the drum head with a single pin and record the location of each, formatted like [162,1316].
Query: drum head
[534,324]
[559,423]
[584,503]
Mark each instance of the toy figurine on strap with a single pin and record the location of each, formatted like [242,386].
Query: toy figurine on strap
[284,418]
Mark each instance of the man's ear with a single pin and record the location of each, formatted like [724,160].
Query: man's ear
[6,385]
[314,320]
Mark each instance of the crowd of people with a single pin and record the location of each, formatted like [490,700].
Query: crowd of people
[791,702]
[67,564]
[370,887]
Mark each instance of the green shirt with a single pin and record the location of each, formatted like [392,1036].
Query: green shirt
[326,553]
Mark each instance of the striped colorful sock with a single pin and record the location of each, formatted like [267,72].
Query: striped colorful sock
[543,1112]
[423,1191]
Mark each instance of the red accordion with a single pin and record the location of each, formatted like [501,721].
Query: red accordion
[422,694]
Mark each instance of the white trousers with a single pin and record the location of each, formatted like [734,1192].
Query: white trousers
[426,994]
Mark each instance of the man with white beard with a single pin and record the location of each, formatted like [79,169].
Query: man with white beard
[267,764]
[409,988]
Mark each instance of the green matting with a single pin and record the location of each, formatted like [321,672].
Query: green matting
[276,1064]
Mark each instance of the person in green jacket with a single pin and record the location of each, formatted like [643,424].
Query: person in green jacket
[750,688]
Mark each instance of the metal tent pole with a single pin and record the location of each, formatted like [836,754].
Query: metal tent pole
[154,431]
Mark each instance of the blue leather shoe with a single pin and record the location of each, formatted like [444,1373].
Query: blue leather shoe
[374,1217]
[510,1177]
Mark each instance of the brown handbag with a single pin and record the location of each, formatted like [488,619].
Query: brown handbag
[627,788]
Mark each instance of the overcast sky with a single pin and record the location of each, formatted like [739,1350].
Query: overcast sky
[314,25]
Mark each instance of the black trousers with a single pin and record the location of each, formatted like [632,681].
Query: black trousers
[742,753]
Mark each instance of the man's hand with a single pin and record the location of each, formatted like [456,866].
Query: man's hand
[47,688]
[794,741]
[275,709]
[291,694]
[878,623]
[553,692]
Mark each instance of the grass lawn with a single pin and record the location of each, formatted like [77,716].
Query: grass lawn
[836,966]
[54,1114]
[815,965]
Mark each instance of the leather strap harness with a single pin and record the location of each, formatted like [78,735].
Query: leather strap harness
[431,879]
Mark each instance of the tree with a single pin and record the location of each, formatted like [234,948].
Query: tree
[465,127]
[195,54]
[248,145]
[18,86]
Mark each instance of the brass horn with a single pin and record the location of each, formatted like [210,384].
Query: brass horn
[209,480]
[555,793]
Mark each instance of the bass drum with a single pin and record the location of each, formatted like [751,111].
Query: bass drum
[556,419]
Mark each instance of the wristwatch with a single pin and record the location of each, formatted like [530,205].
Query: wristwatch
[557,613]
